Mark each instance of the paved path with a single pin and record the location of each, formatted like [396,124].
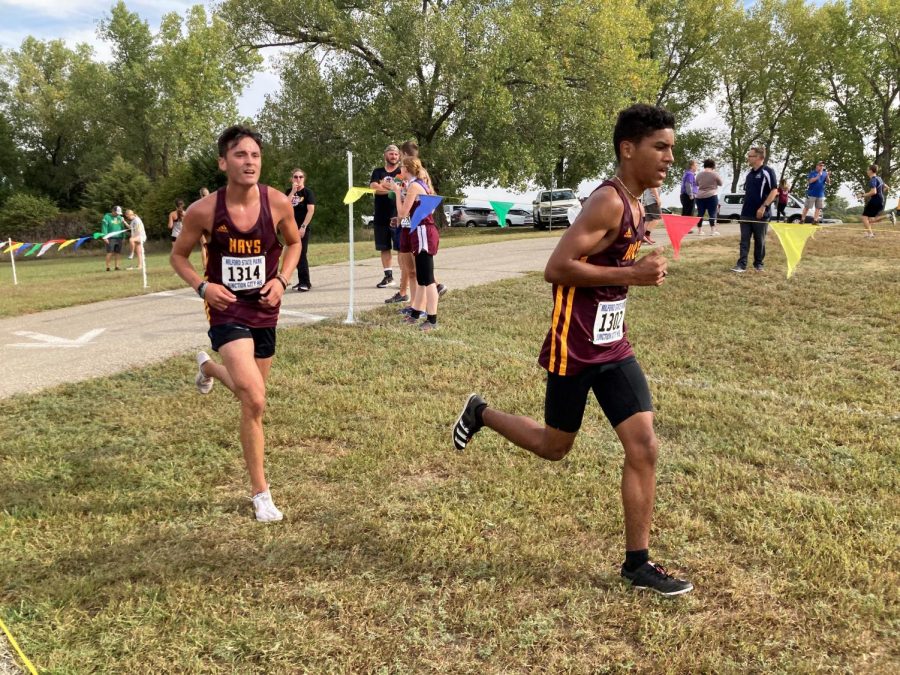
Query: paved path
[78,343]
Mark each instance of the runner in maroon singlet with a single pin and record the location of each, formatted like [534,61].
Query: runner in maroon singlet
[242,289]
[587,346]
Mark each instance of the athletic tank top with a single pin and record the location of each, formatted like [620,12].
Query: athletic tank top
[426,238]
[176,226]
[243,262]
[588,322]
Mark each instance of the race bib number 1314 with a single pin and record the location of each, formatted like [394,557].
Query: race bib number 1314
[243,274]
[609,326]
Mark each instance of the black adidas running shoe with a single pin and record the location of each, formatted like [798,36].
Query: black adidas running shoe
[466,424]
[654,577]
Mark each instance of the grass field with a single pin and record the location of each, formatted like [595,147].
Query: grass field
[75,278]
[127,544]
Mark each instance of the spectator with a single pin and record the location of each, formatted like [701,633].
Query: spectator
[113,222]
[385,209]
[815,192]
[708,183]
[760,190]
[204,241]
[304,202]
[651,212]
[875,205]
[176,218]
[783,192]
[689,189]
[138,235]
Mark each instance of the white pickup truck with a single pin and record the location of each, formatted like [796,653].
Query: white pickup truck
[551,207]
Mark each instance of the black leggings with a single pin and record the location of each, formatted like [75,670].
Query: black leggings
[424,269]
[687,205]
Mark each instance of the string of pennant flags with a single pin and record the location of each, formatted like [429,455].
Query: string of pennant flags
[25,249]
[791,236]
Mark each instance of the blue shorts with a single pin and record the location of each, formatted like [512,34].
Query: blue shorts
[263,338]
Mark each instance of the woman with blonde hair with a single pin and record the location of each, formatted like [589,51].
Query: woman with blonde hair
[423,242]
[138,236]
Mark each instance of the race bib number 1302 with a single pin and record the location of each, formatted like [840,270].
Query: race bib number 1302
[609,326]
[243,274]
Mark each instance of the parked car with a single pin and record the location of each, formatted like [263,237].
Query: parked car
[730,207]
[551,207]
[470,216]
[513,217]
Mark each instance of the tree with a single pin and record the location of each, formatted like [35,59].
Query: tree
[123,184]
[175,91]
[497,92]
[55,106]
[23,212]
[860,64]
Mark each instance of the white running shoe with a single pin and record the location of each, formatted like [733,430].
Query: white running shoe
[701,233]
[204,383]
[715,233]
[266,511]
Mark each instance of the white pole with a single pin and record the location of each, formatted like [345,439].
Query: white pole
[143,262]
[12,259]
[349,318]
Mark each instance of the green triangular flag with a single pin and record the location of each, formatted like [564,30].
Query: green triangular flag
[501,209]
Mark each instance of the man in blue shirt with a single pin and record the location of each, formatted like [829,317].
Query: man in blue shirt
[815,191]
[760,190]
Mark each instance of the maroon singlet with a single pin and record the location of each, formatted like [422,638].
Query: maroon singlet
[426,238]
[243,262]
[572,343]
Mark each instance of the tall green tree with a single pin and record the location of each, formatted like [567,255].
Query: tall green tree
[173,92]
[493,92]
[55,105]
[859,52]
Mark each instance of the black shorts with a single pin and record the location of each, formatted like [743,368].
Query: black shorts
[386,237]
[873,207]
[263,338]
[620,387]
[113,245]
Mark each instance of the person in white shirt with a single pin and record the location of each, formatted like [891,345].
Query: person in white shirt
[138,236]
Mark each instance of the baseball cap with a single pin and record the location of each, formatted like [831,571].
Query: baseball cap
[392,147]
[118,210]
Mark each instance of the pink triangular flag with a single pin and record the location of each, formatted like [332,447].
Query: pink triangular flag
[677,227]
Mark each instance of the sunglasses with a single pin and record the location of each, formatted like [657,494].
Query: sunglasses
[298,175]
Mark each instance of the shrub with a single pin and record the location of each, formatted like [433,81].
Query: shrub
[23,214]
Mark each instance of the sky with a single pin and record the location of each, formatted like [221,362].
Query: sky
[75,21]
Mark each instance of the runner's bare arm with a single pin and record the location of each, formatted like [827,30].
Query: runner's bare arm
[594,230]
[379,188]
[171,220]
[197,221]
[283,215]
[404,206]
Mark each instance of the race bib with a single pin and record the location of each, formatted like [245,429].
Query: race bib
[609,326]
[243,274]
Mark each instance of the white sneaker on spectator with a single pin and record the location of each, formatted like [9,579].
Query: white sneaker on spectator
[204,383]
[266,511]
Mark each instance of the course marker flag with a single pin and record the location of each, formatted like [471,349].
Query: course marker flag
[793,238]
[68,242]
[427,205]
[354,193]
[112,234]
[47,246]
[81,241]
[12,641]
[501,209]
[677,227]
[32,250]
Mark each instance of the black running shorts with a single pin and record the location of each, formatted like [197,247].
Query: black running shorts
[386,237]
[873,207]
[263,338]
[620,387]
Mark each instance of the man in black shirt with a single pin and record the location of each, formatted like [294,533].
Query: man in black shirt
[304,202]
[760,190]
[385,209]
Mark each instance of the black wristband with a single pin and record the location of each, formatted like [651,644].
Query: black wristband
[201,289]
[282,280]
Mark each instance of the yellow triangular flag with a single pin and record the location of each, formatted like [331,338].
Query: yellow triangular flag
[67,242]
[355,193]
[793,238]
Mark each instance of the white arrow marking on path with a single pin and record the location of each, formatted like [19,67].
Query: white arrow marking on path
[43,340]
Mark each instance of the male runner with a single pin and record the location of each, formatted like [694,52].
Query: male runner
[242,289]
[587,347]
